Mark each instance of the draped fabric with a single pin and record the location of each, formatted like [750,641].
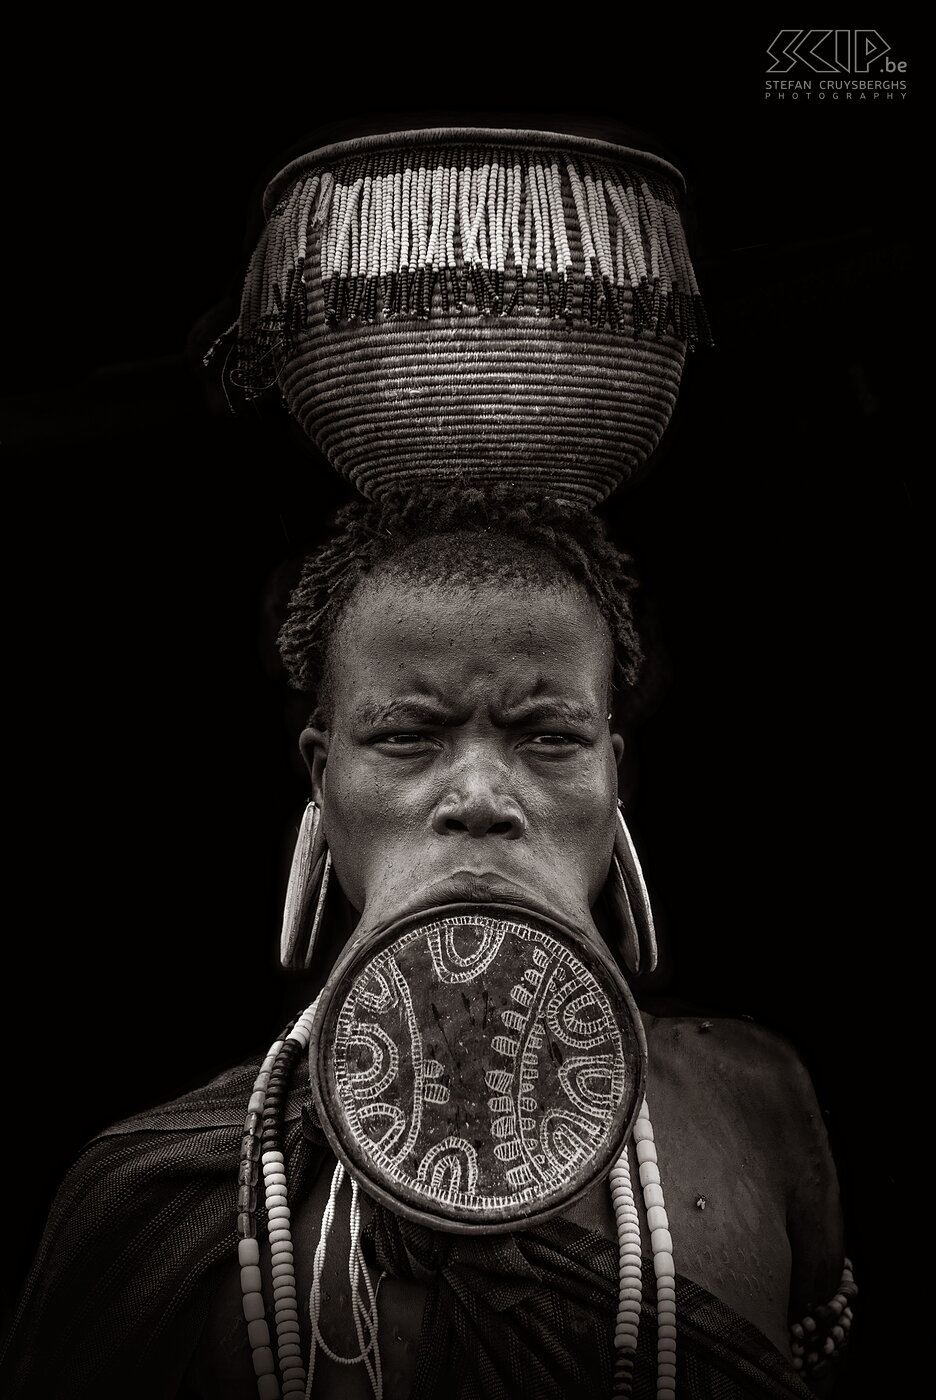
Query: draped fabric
[532,1315]
[119,1292]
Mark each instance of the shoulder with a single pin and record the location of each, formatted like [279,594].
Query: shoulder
[141,1218]
[756,1062]
[753,1074]
[751,1081]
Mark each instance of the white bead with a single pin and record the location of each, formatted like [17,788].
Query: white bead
[288,1349]
[256,1101]
[282,1233]
[295,1385]
[646,1152]
[284,1269]
[661,1241]
[268,1388]
[649,1173]
[282,1289]
[253,1306]
[272,1156]
[263,1363]
[251,1282]
[287,1336]
[666,1331]
[643,1130]
[258,1333]
[653,1194]
[666,1370]
[625,1334]
[663,1266]
[279,1213]
[248,1252]
[630,1295]
[286,1317]
[657,1218]
[282,1249]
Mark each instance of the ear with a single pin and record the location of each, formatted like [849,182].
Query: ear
[617,744]
[313,745]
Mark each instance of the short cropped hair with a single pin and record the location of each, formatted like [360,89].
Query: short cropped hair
[462,538]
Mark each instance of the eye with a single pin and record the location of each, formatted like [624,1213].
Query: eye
[404,742]
[557,741]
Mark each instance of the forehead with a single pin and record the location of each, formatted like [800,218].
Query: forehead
[512,639]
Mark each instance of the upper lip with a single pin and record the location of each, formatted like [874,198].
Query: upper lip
[474,887]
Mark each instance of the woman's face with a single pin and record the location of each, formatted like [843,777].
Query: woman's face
[469,755]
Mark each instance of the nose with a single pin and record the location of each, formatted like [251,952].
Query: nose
[475,807]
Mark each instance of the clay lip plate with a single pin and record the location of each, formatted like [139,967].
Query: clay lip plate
[477,1067]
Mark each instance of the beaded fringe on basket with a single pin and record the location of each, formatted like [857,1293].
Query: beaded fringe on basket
[412,234]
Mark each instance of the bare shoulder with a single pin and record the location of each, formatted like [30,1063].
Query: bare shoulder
[730,1075]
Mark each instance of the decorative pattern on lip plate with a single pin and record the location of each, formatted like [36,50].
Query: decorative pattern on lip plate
[478,1068]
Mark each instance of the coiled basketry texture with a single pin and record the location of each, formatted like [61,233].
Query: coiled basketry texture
[439,307]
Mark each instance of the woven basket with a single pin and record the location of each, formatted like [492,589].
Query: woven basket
[473,305]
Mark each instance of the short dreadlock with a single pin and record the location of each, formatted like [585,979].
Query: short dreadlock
[464,537]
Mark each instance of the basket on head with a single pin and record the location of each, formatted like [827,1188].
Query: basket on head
[469,305]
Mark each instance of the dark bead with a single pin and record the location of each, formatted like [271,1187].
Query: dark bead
[246,1226]
[550,294]
[247,1198]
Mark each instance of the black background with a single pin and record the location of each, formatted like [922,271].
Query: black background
[777,533]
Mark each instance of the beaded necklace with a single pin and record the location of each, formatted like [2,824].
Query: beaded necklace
[285,1373]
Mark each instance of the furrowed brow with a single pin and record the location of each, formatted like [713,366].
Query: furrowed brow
[409,710]
[551,712]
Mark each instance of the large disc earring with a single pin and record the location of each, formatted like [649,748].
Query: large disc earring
[306,892]
[629,903]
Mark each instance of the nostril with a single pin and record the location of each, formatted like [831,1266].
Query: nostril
[452,824]
[500,828]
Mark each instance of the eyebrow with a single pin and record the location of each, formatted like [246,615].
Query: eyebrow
[541,711]
[407,708]
[415,710]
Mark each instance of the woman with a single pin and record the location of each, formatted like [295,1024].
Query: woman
[467,669]
[480,306]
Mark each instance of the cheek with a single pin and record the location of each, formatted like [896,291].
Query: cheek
[591,837]
[366,816]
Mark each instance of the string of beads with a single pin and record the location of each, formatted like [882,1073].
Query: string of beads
[261,1149]
[630,1269]
[821,1335]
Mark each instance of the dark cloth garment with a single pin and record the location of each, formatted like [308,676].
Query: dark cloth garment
[532,1315]
[120,1289]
